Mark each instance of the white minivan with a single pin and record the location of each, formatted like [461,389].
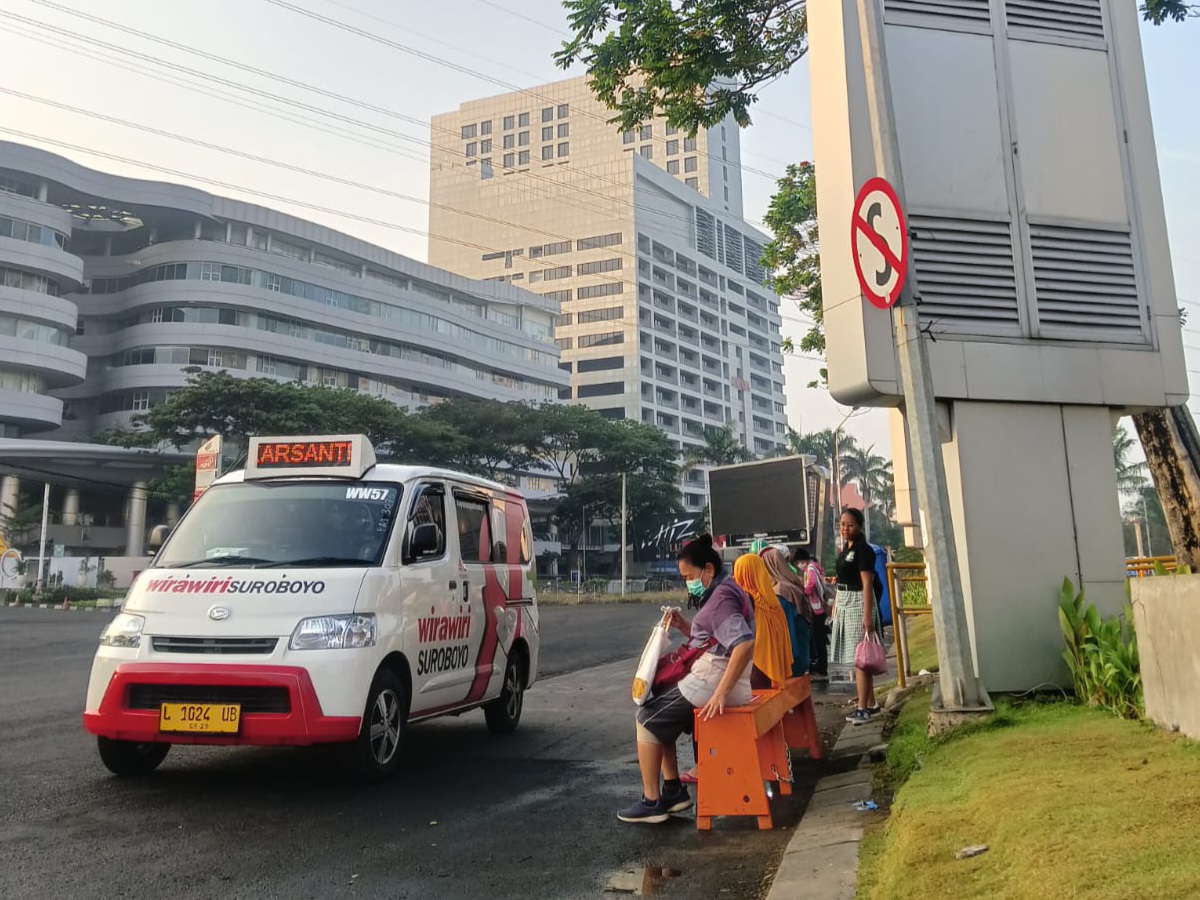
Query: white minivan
[319,597]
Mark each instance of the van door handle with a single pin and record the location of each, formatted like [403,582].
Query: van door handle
[466,597]
[454,585]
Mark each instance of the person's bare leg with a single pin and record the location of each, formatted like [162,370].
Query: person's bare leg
[862,682]
[670,763]
[871,701]
[651,760]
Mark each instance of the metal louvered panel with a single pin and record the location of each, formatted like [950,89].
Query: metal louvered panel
[1086,283]
[706,233]
[754,255]
[733,249]
[933,13]
[1073,18]
[966,275]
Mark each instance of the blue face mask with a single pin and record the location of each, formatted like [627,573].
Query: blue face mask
[695,587]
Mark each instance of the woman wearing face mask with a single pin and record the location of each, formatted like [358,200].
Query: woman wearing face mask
[724,624]
[855,612]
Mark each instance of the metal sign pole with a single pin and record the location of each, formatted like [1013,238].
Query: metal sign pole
[960,689]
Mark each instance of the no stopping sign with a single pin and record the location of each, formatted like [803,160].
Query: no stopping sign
[879,239]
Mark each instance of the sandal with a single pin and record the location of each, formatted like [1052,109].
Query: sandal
[689,777]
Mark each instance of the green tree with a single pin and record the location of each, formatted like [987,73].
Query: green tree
[1160,11]
[1131,474]
[19,526]
[492,434]
[871,472]
[721,447]
[1144,511]
[564,438]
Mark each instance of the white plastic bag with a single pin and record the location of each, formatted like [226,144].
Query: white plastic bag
[656,646]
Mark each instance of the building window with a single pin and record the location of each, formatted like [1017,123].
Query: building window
[509,123]
[485,146]
[693,183]
[548,114]
[646,133]
[550,249]
[563,149]
[510,141]
[607,314]
[556,273]
[627,137]
[523,158]
[523,139]
[559,297]
[647,150]
[601,340]
[564,129]
[548,133]
[608,289]
[548,152]
[726,193]
[266,365]
[689,145]
[673,166]
[672,148]
[472,148]
[598,266]
[509,159]
[603,240]
[274,282]
[141,400]
[564,343]
[468,131]
[564,110]
[485,169]
[725,170]
[690,163]
[214,358]
[485,127]
[523,120]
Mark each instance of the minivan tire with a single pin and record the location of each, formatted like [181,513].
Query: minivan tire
[375,753]
[504,713]
[130,759]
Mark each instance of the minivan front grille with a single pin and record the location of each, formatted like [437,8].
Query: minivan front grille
[213,645]
[252,699]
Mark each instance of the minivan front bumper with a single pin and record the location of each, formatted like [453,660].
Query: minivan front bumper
[279,704]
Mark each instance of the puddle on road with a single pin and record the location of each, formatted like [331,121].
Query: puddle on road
[646,883]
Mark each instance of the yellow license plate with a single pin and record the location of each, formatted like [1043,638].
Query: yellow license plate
[200,718]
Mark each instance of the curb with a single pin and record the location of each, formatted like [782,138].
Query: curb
[821,859]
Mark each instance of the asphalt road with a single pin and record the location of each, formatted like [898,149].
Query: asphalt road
[527,816]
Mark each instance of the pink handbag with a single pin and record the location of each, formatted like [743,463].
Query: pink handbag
[869,655]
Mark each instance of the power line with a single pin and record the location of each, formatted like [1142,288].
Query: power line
[575,188]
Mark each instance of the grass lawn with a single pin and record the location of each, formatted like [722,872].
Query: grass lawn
[572,598]
[922,651]
[1071,801]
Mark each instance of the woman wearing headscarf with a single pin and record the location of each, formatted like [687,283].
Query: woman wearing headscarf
[790,591]
[772,645]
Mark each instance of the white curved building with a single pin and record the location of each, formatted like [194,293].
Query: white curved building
[110,287]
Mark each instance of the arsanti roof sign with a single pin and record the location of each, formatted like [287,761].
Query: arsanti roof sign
[343,456]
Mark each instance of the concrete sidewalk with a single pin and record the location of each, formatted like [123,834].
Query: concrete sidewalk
[821,860]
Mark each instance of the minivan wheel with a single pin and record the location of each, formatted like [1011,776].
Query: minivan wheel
[375,754]
[504,713]
[130,759]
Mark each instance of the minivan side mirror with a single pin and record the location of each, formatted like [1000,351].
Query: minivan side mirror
[426,541]
[158,537]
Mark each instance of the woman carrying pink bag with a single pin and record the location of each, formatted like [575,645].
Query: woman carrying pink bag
[856,615]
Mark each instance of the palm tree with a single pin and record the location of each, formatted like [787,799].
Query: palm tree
[820,444]
[721,447]
[871,472]
[1131,476]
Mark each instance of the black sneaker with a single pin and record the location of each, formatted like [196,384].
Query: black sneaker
[676,799]
[873,711]
[649,812]
[859,717]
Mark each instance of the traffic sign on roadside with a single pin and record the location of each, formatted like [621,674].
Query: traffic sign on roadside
[879,237]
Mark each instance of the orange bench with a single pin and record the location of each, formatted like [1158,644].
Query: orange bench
[747,746]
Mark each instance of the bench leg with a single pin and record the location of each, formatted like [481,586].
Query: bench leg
[773,758]
[765,823]
[800,727]
[729,771]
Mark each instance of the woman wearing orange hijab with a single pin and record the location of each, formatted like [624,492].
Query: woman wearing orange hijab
[772,645]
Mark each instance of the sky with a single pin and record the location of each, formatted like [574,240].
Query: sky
[407,61]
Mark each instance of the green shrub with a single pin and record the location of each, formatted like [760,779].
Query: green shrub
[1102,654]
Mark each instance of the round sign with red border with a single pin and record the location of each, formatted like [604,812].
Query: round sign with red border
[879,240]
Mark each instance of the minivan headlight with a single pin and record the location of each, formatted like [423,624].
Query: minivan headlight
[334,632]
[125,630]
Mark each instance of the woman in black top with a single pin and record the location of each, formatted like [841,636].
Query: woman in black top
[855,612]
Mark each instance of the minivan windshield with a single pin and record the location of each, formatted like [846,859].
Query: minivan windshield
[301,524]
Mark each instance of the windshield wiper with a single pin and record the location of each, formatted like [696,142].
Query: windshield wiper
[229,560]
[318,561]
